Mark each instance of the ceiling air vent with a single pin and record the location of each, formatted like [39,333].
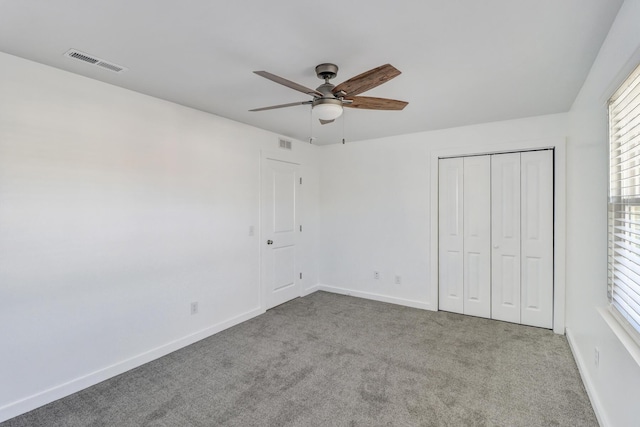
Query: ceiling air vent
[284,144]
[94,60]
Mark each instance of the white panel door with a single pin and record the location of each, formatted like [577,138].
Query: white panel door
[279,227]
[505,237]
[477,236]
[537,238]
[450,232]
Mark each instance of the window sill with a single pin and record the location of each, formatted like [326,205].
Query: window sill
[623,335]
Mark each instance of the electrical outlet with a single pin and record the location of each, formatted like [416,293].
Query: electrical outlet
[398,280]
[376,275]
[596,357]
[194,308]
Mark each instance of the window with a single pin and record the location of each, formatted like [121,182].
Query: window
[624,203]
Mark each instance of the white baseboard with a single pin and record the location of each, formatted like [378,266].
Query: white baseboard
[310,290]
[27,404]
[586,380]
[377,297]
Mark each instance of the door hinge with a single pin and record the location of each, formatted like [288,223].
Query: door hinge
[300,180]
[300,275]
[301,228]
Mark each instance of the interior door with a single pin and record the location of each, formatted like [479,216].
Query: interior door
[279,226]
[537,238]
[450,234]
[505,237]
[477,236]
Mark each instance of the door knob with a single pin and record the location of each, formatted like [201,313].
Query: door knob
[269,242]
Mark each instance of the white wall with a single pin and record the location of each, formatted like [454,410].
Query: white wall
[375,211]
[614,386]
[117,210]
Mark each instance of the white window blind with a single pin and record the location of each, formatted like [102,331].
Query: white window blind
[624,201]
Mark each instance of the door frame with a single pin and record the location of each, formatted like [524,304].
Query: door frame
[286,157]
[559,145]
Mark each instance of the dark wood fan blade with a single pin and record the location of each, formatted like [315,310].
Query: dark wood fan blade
[324,122]
[367,80]
[288,83]
[371,103]
[273,107]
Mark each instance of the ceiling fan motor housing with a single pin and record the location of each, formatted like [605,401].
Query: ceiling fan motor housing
[326,90]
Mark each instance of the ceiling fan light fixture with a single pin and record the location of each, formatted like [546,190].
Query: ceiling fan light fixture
[327,109]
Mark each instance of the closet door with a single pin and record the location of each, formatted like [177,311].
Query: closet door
[537,238]
[505,237]
[477,236]
[450,211]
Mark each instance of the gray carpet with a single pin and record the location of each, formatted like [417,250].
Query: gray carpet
[331,360]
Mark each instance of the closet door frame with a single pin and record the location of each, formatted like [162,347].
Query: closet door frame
[559,230]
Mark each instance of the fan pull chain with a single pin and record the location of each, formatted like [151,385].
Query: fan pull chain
[343,119]
[310,126]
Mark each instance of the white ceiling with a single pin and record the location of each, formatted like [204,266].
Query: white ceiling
[463,62]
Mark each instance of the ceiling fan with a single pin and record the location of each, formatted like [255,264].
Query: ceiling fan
[328,100]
